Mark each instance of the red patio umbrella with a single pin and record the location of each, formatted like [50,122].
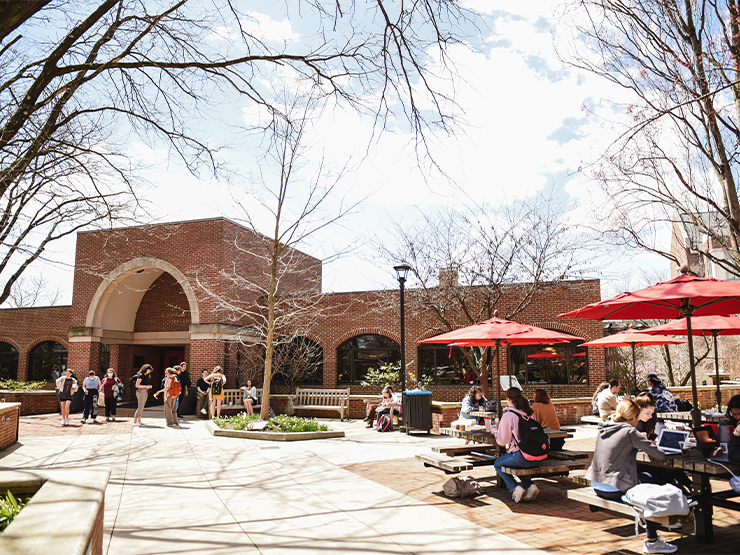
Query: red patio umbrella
[682,297]
[544,355]
[496,331]
[702,325]
[631,338]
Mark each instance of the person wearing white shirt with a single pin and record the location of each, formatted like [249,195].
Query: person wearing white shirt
[607,399]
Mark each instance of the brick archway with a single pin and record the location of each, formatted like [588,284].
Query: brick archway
[362,331]
[565,328]
[131,280]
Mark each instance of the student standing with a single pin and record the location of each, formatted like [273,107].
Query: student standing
[66,386]
[203,388]
[217,381]
[183,376]
[171,392]
[142,385]
[91,387]
[111,402]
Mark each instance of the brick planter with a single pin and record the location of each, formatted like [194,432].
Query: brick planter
[32,402]
[9,420]
[65,514]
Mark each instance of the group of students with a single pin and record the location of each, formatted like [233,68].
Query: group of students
[92,385]
[605,399]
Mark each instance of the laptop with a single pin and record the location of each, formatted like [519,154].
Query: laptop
[670,441]
[707,442]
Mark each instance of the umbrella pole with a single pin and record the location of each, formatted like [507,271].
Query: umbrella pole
[718,393]
[634,370]
[695,412]
[497,385]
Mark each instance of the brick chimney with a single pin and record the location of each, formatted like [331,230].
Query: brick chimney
[448,277]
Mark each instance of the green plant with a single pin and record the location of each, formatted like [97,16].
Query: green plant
[9,509]
[15,385]
[422,383]
[387,374]
[282,424]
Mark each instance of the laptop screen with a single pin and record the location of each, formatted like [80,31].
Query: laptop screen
[671,439]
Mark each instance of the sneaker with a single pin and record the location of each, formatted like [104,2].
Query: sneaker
[203,411]
[84,420]
[137,423]
[659,546]
[531,493]
[518,494]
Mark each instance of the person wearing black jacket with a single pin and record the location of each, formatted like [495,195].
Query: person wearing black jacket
[733,415]
[183,376]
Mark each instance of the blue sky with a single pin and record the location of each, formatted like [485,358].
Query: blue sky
[527,131]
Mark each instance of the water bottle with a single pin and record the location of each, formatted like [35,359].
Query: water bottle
[723,431]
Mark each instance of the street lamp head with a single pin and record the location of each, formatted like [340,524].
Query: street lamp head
[402,270]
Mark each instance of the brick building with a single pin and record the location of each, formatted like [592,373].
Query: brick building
[166,293]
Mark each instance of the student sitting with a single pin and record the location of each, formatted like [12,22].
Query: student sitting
[376,410]
[607,399]
[733,415]
[614,467]
[474,400]
[544,413]
[508,434]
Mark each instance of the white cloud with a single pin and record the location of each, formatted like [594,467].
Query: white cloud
[263,27]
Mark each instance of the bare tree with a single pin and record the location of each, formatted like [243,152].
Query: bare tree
[79,79]
[282,303]
[473,261]
[33,290]
[674,160]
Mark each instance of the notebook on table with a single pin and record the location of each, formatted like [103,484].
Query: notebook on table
[670,441]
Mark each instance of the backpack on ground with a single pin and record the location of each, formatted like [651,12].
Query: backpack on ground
[134,378]
[533,441]
[217,385]
[461,487]
[384,423]
[175,387]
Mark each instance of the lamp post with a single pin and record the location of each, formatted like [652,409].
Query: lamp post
[402,271]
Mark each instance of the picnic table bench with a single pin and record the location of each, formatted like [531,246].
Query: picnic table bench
[233,404]
[322,399]
[591,419]
[547,468]
[595,503]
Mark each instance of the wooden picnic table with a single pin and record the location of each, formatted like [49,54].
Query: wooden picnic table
[701,472]
[685,416]
[479,434]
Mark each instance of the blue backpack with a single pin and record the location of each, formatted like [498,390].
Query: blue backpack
[384,423]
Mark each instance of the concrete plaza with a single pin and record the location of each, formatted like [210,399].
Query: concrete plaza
[185,491]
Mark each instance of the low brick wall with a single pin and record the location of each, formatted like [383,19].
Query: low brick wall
[9,415]
[32,402]
[443,414]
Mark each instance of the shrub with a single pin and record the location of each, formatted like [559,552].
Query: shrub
[281,424]
[15,385]
[9,509]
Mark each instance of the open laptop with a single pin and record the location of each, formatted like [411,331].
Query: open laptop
[707,442]
[670,441]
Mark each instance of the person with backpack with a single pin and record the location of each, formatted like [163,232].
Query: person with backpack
[91,387]
[111,402]
[664,400]
[216,381]
[614,467]
[171,392]
[388,399]
[141,383]
[527,445]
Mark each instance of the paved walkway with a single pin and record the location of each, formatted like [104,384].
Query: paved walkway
[184,491]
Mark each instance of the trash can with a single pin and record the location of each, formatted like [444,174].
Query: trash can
[417,411]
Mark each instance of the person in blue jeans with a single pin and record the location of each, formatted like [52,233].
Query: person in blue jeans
[508,434]
[90,387]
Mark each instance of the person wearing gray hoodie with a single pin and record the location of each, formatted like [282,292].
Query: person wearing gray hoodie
[614,467]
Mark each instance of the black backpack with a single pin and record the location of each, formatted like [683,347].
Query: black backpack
[217,385]
[132,381]
[533,441]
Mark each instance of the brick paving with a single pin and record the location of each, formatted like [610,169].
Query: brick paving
[50,425]
[552,522]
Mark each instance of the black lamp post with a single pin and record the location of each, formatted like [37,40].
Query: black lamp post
[402,271]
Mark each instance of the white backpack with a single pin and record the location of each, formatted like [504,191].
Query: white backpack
[651,500]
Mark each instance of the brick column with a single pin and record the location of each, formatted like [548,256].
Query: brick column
[83,357]
[207,353]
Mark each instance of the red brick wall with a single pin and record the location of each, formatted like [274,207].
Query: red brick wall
[164,307]
[8,425]
[32,403]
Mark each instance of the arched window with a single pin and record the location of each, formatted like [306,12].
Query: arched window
[445,365]
[299,361]
[8,362]
[355,356]
[47,361]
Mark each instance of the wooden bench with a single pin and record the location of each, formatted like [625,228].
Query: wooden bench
[465,449]
[233,404]
[322,399]
[588,495]
[450,465]
[591,419]
[546,468]
[565,455]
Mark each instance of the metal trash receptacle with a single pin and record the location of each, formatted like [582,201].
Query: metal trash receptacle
[417,411]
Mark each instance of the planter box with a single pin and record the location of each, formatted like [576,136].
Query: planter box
[270,436]
[41,401]
[9,421]
[65,514]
